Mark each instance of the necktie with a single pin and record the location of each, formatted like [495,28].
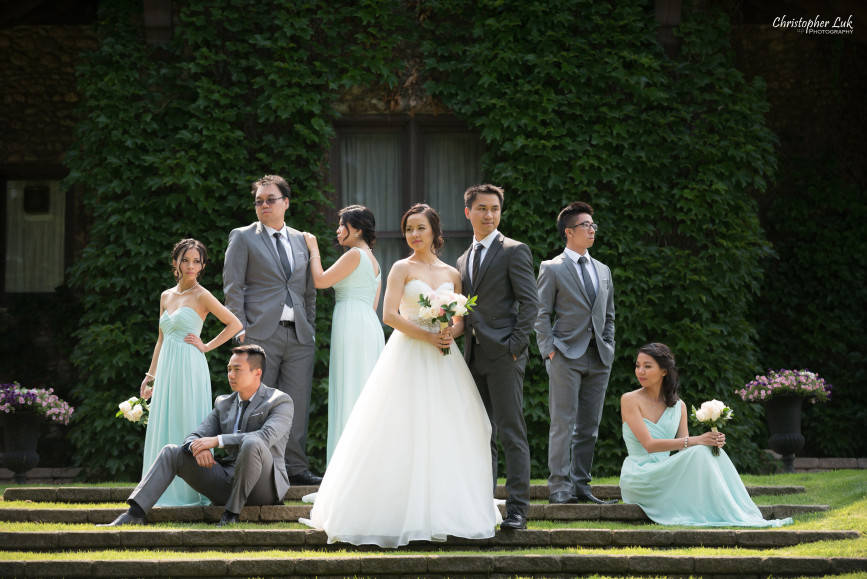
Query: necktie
[585,277]
[244,404]
[477,261]
[284,260]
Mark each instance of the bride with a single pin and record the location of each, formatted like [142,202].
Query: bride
[414,460]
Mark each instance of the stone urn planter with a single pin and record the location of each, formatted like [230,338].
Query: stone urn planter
[783,414]
[21,431]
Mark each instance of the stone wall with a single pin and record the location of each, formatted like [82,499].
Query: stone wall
[38,92]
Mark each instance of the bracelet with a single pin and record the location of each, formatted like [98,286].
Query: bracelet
[314,256]
[149,375]
[685,442]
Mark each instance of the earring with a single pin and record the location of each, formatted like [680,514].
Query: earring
[356,235]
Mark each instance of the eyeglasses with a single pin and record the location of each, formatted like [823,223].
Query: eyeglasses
[269,201]
[585,225]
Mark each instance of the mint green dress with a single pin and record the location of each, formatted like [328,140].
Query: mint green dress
[181,398]
[691,487]
[356,342]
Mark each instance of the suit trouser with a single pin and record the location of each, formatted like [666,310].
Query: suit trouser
[249,481]
[576,394]
[289,368]
[500,381]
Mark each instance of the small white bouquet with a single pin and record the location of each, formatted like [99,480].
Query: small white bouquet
[441,307]
[135,410]
[713,414]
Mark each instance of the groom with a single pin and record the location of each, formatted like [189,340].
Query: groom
[499,271]
[268,285]
[252,424]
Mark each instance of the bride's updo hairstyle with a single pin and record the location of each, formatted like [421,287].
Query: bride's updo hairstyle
[663,356]
[181,248]
[360,217]
[432,217]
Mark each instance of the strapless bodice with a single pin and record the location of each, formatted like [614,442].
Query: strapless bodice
[361,284]
[665,427]
[409,306]
[179,323]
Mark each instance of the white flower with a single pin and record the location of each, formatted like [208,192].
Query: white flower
[461,300]
[702,414]
[460,310]
[136,413]
[424,313]
[125,406]
[436,301]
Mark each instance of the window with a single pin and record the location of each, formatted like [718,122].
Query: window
[389,165]
[34,236]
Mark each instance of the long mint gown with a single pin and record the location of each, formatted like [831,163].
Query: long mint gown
[692,487]
[356,342]
[181,398]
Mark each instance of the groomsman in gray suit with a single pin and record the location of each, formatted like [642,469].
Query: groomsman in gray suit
[576,292]
[269,286]
[500,272]
[252,424]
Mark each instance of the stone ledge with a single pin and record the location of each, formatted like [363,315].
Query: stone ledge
[443,565]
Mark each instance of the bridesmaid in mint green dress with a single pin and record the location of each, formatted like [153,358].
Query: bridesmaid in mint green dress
[178,381]
[692,487]
[356,332]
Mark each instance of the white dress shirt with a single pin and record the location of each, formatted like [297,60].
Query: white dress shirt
[588,267]
[288,311]
[486,244]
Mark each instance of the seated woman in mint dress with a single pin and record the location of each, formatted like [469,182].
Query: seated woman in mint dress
[178,380]
[692,487]
[356,333]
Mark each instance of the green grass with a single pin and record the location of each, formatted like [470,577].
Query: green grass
[845,491]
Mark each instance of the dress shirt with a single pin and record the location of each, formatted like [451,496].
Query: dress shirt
[588,269]
[486,243]
[288,311]
[249,403]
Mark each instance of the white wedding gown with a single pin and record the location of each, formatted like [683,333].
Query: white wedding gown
[414,461]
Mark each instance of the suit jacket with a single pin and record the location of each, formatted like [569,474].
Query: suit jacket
[269,418]
[255,283]
[507,300]
[562,296]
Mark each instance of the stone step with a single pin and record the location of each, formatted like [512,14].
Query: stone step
[298,539]
[291,513]
[119,494]
[476,565]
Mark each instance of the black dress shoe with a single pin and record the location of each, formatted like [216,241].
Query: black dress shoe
[229,519]
[514,521]
[561,498]
[125,519]
[305,479]
[589,498]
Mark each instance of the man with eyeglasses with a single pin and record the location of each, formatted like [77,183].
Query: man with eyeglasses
[575,333]
[269,286]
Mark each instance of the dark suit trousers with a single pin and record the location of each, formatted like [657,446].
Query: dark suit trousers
[250,480]
[500,381]
[576,394]
[289,368]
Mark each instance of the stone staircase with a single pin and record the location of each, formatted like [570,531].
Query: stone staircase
[256,550]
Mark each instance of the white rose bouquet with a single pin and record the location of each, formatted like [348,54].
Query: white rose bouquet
[713,414]
[441,307]
[135,410]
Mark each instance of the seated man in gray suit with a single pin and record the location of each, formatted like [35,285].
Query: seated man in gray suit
[575,291]
[252,424]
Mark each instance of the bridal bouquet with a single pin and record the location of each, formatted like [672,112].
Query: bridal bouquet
[713,414]
[135,410]
[442,307]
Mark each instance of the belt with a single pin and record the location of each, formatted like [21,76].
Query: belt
[287,324]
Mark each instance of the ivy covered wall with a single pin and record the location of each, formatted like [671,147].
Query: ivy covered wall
[573,99]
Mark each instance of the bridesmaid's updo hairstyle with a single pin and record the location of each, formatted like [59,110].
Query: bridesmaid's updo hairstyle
[181,248]
[434,220]
[663,356]
[360,217]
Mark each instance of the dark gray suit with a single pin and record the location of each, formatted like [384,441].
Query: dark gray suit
[253,472]
[498,329]
[256,285]
[582,337]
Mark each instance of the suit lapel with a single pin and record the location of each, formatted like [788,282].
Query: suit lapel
[258,400]
[489,258]
[297,245]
